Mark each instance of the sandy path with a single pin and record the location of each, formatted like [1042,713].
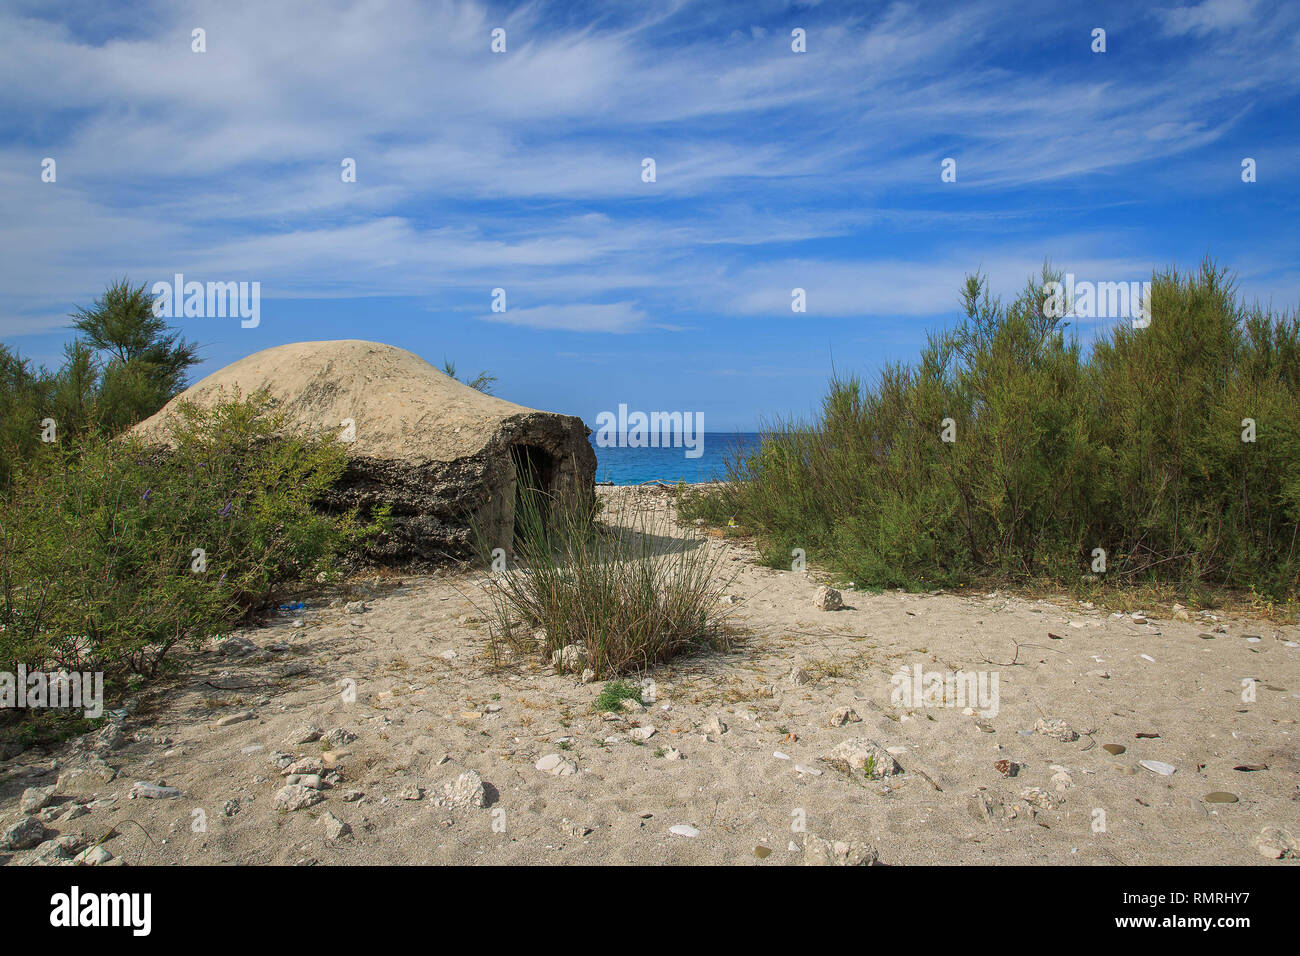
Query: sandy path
[430,705]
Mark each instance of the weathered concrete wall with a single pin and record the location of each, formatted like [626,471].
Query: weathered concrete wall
[437,506]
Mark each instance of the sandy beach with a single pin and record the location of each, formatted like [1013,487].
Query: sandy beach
[737,750]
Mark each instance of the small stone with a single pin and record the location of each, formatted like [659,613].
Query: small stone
[236,718]
[1277,843]
[632,706]
[351,796]
[305,765]
[150,791]
[1220,796]
[335,828]
[304,735]
[673,754]
[557,766]
[355,607]
[338,738]
[1056,729]
[93,856]
[844,715]
[297,797]
[88,776]
[410,793]
[1114,749]
[828,599]
[1008,768]
[819,852]
[642,733]
[23,835]
[569,659]
[467,790]
[715,726]
[683,830]
[35,799]
[858,754]
[588,675]
[1158,766]
[1038,797]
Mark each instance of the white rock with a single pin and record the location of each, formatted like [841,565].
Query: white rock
[859,754]
[683,830]
[1056,729]
[1158,766]
[297,797]
[828,599]
[557,766]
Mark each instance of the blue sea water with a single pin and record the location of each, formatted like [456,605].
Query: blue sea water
[632,466]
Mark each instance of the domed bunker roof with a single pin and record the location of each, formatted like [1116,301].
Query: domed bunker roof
[442,455]
[400,406]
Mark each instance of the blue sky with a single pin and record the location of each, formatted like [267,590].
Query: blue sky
[522,170]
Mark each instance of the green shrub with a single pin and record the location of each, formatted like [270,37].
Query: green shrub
[613,694]
[1135,449]
[629,591]
[113,554]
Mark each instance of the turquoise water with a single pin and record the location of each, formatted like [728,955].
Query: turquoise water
[631,466]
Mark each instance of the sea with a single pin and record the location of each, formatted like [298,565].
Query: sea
[632,466]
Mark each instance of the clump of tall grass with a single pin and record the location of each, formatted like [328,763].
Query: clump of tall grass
[1174,449]
[628,589]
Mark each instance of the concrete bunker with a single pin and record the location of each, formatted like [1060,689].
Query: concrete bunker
[441,455]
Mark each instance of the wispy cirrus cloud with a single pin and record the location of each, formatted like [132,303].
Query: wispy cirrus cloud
[523,170]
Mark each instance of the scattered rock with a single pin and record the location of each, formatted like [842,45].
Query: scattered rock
[819,852]
[844,715]
[467,790]
[569,659]
[828,599]
[1158,766]
[557,766]
[683,830]
[715,726]
[86,777]
[35,799]
[150,791]
[861,754]
[1056,729]
[410,793]
[93,856]
[1038,797]
[23,835]
[1220,796]
[304,735]
[297,797]
[339,738]
[355,607]
[1008,768]
[1277,843]
[335,828]
[236,718]
[1114,749]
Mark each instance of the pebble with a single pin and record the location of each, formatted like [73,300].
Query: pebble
[557,766]
[828,599]
[1158,766]
[683,830]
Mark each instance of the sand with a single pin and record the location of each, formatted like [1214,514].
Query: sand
[431,705]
